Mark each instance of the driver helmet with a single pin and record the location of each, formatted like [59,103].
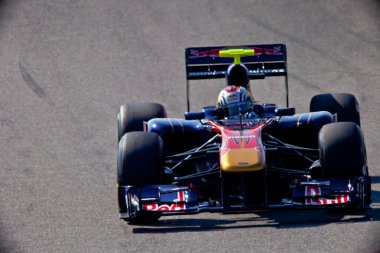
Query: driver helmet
[237,75]
[233,101]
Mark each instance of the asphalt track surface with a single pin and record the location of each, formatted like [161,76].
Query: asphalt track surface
[67,66]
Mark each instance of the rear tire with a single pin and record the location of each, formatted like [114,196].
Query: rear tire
[343,104]
[139,163]
[131,117]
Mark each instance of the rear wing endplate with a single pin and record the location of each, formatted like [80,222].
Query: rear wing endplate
[205,63]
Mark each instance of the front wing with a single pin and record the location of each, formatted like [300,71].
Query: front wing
[172,199]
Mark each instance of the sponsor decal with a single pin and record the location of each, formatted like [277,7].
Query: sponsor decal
[181,197]
[249,139]
[239,139]
[157,207]
[274,51]
[211,53]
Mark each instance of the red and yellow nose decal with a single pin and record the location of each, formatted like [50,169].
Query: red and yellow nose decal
[242,150]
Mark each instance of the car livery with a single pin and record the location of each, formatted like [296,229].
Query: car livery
[208,163]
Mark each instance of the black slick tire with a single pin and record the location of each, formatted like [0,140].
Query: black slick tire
[343,104]
[343,155]
[139,163]
[131,116]
[342,150]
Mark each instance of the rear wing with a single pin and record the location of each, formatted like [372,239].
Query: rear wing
[205,63]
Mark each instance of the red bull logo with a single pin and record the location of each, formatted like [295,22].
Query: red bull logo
[212,53]
[265,51]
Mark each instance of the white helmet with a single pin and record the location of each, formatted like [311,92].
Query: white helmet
[234,100]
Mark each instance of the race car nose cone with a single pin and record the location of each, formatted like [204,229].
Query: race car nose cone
[242,160]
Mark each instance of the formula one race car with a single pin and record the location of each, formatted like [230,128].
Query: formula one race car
[211,162]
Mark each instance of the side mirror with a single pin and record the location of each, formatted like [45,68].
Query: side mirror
[285,111]
[194,115]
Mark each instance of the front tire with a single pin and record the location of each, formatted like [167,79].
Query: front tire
[343,155]
[139,163]
[342,150]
